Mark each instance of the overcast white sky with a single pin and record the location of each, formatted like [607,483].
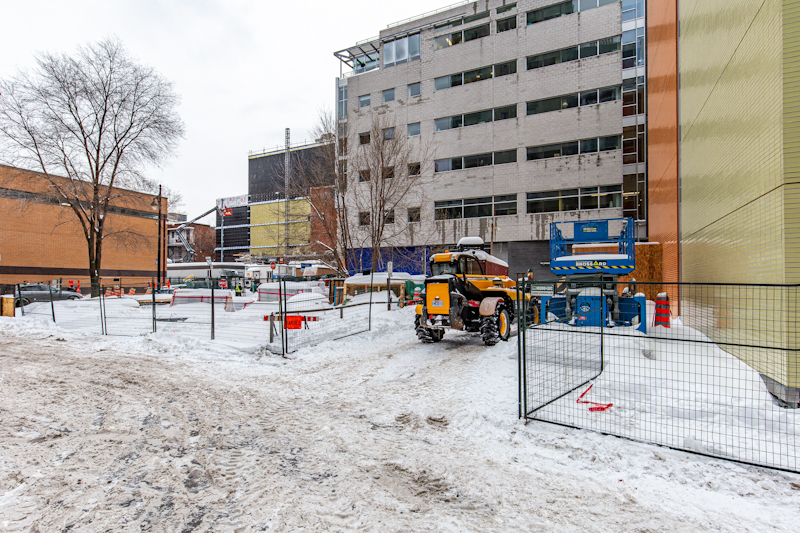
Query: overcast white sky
[245,69]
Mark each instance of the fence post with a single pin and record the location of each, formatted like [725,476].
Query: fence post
[282,314]
[341,312]
[212,309]
[521,310]
[155,327]
[104,314]
[371,287]
[271,327]
[22,307]
[52,307]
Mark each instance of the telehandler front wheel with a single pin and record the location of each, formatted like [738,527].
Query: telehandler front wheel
[496,327]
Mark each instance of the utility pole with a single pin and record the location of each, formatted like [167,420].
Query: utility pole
[287,161]
[159,238]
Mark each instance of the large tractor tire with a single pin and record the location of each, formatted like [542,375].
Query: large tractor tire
[496,327]
[423,334]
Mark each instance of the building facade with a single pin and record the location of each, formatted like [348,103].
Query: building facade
[273,221]
[529,112]
[41,238]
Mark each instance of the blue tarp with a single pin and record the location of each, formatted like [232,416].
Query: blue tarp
[410,259]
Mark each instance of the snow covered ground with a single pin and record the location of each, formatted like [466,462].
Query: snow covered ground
[375,432]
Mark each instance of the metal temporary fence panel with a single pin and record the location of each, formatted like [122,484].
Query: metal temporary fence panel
[308,318]
[716,373]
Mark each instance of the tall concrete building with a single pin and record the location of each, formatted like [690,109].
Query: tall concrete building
[534,112]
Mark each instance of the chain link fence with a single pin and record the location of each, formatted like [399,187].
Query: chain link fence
[281,316]
[714,369]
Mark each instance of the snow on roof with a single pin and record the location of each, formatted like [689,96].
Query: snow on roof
[470,241]
[381,277]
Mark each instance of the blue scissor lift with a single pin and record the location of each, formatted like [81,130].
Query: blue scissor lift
[590,296]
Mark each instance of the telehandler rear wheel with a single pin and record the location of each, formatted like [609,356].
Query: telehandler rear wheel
[424,334]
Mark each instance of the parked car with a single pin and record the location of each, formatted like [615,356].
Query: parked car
[40,292]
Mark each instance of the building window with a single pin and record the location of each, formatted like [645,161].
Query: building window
[445,41]
[604,46]
[551,12]
[366,63]
[505,205]
[363,138]
[477,75]
[388,173]
[633,144]
[504,69]
[504,113]
[477,32]
[388,95]
[414,169]
[401,50]
[388,134]
[447,123]
[613,142]
[552,201]
[364,101]
[414,89]
[342,101]
[448,210]
[507,156]
[506,8]
[634,196]
[445,165]
[480,117]
[507,24]
[413,129]
[479,160]
[588,98]
[389,217]
[414,214]
[631,9]
[445,82]
[363,175]
[363,218]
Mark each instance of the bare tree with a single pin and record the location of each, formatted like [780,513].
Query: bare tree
[90,124]
[387,172]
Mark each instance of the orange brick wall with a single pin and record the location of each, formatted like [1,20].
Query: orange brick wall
[662,131]
[44,241]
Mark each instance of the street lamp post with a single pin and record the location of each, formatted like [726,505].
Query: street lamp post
[158,261]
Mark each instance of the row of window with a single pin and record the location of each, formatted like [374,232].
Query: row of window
[407,48]
[563,8]
[478,117]
[573,53]
[364,218]
[582,199]
[595,96]
[533,153]
[388,173]
[484,73]
[365,100]
[474,161]
[476,207]
[584,146]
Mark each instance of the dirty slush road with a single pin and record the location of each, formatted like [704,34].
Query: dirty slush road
[94,440]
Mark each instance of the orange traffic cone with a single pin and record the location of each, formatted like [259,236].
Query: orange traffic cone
[149,290]
[108,292]
[131,292]
[662,310]
[78,286]
[70,284]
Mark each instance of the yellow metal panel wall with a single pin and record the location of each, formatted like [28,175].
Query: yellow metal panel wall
[739,101]
[269,237]
[731,105]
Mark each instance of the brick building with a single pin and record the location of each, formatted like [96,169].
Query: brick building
[41,239]
[535,110]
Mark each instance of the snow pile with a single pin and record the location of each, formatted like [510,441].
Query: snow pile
[272,291]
